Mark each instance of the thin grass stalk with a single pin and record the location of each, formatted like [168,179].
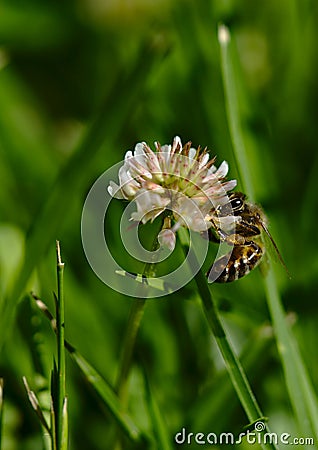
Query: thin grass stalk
[301,393]
[59,413]
[232,363]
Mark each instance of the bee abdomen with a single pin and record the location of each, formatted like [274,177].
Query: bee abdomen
[236,264]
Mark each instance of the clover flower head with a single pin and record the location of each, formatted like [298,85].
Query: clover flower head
[178,178]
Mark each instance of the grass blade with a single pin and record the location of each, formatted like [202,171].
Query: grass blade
[301,393]
[160,431]
[232,110]
[108,396]
[64,437]
[53,429]
[205,412]
[36,406]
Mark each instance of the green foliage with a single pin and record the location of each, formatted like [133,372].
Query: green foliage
[80,83]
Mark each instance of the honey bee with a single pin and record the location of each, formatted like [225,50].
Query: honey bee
[248,248]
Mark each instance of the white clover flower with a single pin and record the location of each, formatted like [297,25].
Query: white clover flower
[183,180]
[167,238]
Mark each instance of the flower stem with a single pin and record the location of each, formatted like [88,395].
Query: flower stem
[233,365]
[121,385]
[136,313]
[135,316]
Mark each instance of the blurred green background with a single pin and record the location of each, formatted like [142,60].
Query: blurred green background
[80,83]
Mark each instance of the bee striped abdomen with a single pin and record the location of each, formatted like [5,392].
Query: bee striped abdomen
[241,261]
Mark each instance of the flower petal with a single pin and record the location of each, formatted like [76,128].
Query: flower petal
[222,170]
[167,239]
[115,191]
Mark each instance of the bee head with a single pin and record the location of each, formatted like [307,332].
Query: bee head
[235,206]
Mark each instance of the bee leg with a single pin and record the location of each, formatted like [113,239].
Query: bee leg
[216,234]
[235,239]
[213,237]
[219,235]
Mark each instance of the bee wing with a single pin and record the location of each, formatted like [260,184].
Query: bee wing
[275,247]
